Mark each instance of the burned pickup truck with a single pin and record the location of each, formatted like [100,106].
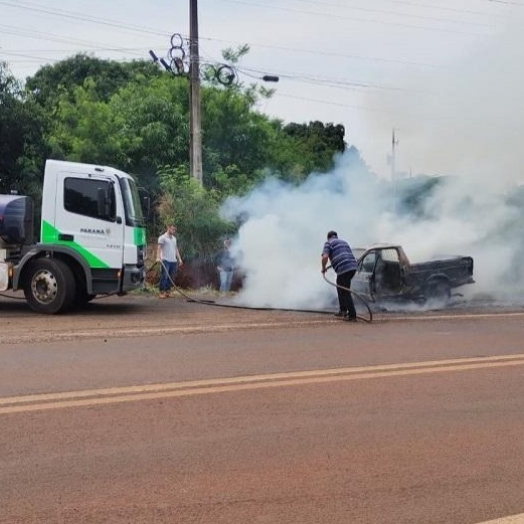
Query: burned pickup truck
[384,274]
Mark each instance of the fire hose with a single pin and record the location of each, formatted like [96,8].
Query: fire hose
[213,303]
[216,304]
[354,294]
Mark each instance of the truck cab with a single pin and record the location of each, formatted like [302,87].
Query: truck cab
[92,238]
[380,272]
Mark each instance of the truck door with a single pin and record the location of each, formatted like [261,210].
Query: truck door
[364,281]
[88,213]
[388,278]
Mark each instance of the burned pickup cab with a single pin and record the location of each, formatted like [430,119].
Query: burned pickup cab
[385,273]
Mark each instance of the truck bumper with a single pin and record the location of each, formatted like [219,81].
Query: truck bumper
[5,273]
[133,278]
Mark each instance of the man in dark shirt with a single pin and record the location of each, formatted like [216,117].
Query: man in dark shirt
[338,252]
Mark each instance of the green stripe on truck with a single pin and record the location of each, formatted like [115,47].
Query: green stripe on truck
[50,236]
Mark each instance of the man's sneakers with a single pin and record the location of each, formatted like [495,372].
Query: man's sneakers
[163,295]
[350,319]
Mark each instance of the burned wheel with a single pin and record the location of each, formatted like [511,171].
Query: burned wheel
[49,286]
[438,292]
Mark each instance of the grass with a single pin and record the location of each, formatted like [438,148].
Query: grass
[152,290]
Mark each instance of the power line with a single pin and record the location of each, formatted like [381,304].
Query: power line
[426,117]
[328,102]
[331,82]
[327,81]
[143,51]
[355,19]
[423,6]
[394,13]
[38,35]
[506,2]
[291,76]
[33,59]
[326,53]
[122,49]
[80,16]
[339,104]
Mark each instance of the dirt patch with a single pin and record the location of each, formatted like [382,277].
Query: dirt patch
[140,315]
[145,315]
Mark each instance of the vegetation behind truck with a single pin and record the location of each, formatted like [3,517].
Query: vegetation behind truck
[92,238]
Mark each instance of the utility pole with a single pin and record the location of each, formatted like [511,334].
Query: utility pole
[394,143]
[195,127]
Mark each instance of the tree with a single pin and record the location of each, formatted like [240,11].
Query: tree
[155,111]
[87,130]
[195,210]
[22,147]
[317,143]
[136,117]
[234,134]
[414,194]
[51,82]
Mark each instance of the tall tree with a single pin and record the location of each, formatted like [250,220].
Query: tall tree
[52,81]
[22,137]
[86,130]
[234,134]
[317,143]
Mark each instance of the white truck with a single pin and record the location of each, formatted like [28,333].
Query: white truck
[92,238]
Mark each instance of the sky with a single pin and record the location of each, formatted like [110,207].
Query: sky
[447,79]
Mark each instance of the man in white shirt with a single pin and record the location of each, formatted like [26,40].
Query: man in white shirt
[169,258]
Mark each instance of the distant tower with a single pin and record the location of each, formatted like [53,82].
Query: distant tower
[394,143]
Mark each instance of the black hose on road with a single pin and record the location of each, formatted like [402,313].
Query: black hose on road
[355,294]
[213,303]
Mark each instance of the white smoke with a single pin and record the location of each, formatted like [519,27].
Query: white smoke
[472,133]
[284,228]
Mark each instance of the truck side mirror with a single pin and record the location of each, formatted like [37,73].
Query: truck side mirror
[146,206]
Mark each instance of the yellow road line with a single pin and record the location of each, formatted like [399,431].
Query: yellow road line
[451,316]
[514,519]
[47,401]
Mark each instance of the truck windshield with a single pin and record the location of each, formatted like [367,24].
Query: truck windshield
[133,209]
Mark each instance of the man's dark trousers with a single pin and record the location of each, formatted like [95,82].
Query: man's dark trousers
[344,296]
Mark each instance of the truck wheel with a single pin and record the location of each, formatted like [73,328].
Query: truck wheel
[49,286]
[439,292]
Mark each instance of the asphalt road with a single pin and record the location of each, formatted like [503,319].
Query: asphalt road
[143,411]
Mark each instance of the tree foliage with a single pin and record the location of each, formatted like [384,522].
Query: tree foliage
[87,130]
[135,116]
[316,143]
[194,210]
[233,135]
[52,82]
[22,142]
